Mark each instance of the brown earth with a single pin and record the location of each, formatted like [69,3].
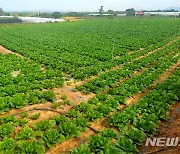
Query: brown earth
[76,98]
[6,51]
[162,78]
[171,42]
[102,123]
[168,128]
[136,73]
[131,52]
[26,108]
[119,66]
[15,73]
[136,98]
[43,116]
[66,146]
[73,96]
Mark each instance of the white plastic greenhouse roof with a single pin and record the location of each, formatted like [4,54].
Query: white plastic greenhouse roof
[36,19]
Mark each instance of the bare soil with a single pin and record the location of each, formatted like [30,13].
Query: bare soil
[171,42]
[131,52]
[119,66]
[68,145]
[44,115]
[162,78]
[136,73]
[6,51]
[168,128]
[76,98]
[26,108]
[99,125]
[102,123]
[15,73]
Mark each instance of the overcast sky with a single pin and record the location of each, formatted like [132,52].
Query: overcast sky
[85,5]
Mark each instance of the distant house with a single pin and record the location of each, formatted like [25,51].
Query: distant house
[140,13]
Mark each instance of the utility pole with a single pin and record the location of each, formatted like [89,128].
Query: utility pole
[38,14]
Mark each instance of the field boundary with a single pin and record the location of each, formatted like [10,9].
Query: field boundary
[5,51]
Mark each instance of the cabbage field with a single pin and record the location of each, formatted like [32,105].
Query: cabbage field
[91,86]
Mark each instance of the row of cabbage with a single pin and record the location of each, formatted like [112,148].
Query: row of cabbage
[87,48]
[46,133]
[108,79]
[136,122]
[23,81]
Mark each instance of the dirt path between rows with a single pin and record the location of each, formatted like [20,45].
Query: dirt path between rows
[166,45]
[136,97]
[168,128]
[66,146]
[163,77]
[102,123]
[121,65]
[6,51]
[76,98]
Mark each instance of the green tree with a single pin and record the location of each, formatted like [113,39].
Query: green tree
[130,12]
[1,11]
[57,15]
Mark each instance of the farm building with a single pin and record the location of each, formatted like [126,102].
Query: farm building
[140,13]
